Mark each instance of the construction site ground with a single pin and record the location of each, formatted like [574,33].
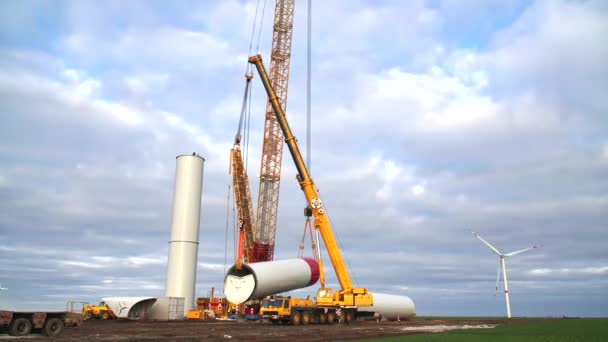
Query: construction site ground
[216,330]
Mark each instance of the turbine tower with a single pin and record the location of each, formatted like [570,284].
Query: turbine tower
[502,265]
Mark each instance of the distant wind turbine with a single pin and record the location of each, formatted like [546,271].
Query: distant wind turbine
[501,265]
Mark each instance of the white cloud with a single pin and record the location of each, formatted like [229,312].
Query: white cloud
[147,83]
[605,152]
[557,49]
[194,131]
[569,271]
[169,47]
[82,264]
[210,267]
[418,190]
[144,261]
[79,94]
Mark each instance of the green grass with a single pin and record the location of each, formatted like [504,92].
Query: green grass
[560,330]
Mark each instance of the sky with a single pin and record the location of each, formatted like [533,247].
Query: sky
[430,119]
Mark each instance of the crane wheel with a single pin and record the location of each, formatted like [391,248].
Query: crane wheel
[88,314]
[349,316]
[20,327]
[305,317]
[331,317]
[322,318]
[296,318]
[52,327]
[105,315]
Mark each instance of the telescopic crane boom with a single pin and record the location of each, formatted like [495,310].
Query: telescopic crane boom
[348,295]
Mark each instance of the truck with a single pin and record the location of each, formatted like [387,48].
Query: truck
[328,303]
[290,310]
[48,323]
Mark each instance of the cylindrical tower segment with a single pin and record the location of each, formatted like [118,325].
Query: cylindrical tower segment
[260,279]
[183,244]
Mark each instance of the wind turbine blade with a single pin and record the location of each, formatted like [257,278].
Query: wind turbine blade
[487,243]
[521,251]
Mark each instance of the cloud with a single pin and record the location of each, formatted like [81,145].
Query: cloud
[553,51]
[569,271]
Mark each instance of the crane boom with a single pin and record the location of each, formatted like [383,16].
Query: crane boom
[242,197]
[348,295]
[242,194]
[272,145]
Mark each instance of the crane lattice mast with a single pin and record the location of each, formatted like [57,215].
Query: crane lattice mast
[272,145]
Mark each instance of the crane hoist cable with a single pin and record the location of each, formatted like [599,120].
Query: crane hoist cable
[255,20]
[248,74]
[257,48]
[248,68]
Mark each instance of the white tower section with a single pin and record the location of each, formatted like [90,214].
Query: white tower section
[183,245]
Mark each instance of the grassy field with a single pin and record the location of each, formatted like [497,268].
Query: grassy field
[566,330]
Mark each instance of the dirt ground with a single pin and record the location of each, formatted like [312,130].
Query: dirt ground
[97,330]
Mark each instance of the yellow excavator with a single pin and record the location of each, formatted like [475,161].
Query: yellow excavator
[328,302]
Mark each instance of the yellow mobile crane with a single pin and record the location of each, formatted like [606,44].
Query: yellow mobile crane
[348,298]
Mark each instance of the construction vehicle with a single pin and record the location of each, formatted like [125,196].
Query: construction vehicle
[100,311]
[48,323]
[328,302]
[283,309]
[211,307]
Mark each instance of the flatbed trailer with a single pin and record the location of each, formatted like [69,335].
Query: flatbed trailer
[48,323]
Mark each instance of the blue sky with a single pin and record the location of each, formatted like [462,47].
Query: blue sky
[430,119]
